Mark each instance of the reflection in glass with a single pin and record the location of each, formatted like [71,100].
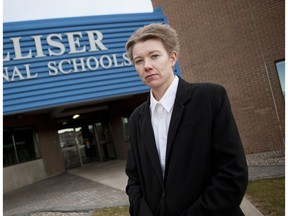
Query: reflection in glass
[281,74]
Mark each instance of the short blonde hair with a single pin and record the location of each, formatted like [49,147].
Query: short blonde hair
[163,32]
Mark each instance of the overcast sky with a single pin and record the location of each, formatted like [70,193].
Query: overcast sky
[22,10]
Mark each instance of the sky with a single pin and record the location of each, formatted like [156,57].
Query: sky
[23,10]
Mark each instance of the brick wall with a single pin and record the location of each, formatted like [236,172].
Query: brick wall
[235,43]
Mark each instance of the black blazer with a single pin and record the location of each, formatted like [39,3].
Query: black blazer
[206,171]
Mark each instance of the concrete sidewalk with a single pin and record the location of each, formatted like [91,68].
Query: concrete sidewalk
[113,175]
[93,186]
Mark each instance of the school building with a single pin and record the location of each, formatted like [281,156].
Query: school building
[69,88]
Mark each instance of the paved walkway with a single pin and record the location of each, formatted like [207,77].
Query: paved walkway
[261,172]
[93,186]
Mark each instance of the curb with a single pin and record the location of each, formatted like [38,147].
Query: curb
[249,209]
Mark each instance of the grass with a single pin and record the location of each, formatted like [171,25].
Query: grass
[267,195]
[113,211]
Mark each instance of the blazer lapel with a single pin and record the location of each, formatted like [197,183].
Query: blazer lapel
[174,124]
[149,142]
[182,96]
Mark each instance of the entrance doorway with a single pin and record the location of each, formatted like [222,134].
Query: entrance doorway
[84,143]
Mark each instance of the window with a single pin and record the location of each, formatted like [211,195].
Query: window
[280,66]
[19,145]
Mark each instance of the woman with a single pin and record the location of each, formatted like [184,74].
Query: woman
[185,155]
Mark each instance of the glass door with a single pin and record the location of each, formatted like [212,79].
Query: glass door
[71,142]
[104,140]
[86,143]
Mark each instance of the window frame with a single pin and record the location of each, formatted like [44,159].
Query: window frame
[36,146]
[281,83]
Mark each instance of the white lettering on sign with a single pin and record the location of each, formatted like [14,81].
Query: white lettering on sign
[55,44]
[58,45]
[18,74]
[67,66]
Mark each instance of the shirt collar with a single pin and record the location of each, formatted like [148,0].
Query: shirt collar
[167,101]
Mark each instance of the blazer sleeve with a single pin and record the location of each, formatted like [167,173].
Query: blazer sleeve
[138,205]
[230,174]
[133,188]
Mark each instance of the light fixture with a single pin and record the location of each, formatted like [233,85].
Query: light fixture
[76,116]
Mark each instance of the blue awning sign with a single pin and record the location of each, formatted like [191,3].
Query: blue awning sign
[48,63]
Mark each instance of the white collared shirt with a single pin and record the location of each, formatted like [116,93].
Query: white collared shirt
[161,112]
